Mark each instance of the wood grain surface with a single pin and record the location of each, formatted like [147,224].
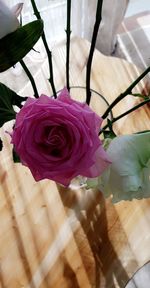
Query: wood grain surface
[52,237]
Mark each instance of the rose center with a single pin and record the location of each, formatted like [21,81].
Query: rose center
[55,140]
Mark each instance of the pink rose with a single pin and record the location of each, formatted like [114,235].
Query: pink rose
[58,139]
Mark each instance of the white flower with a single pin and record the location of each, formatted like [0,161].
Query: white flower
[8,18]
[129,174]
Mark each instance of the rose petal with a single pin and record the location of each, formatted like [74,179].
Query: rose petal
[58,139]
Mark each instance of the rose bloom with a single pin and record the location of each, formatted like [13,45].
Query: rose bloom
[58,139]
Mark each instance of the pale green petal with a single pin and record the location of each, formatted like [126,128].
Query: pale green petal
[129,174]
[91,183]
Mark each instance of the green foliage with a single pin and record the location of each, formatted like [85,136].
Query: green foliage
[145,97]
[8,99]
[109,133]
[1,145]
[16,158]
[14,46]
[141,132]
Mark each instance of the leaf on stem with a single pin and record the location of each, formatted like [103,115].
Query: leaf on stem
[16,158]
[8,98]
[14,46]
[109,134]
[145,97]
[1,145]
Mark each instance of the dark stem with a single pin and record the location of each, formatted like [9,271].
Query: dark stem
[126,92]
[101,96]
[49,53]
[124,114]
[94,37]
[36,95]
[68,33]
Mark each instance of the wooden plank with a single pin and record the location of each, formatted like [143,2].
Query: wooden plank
[56,237]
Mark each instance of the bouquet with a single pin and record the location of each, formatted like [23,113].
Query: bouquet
[59,138]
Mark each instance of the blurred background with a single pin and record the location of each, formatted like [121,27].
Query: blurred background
[124,31]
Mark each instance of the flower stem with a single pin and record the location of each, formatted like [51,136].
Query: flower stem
[68,32]
[124,114]
[125,93]
[93,42]
[36,95]
[49,53]
[97,93]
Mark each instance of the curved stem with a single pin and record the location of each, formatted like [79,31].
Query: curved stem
[126,92]
[49,53]
[93,42]
[101,96]
[124,114]
[36,95]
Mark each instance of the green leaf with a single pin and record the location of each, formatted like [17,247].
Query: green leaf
[109,134]
[16,45]
[16,158]
[141,132]
[145,97]
[1,145]
[8,98]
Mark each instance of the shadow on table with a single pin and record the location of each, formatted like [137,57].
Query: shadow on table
[94,222]
[22,251]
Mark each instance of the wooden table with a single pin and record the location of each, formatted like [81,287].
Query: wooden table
[53,237]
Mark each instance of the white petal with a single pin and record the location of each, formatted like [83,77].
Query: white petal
[129,174]
[8,21]
[16,10]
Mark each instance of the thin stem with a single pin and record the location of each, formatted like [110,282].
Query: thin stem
[93,42]
[68,33]
[124,114]
[101,96]
[36,95]
[126,92]
[49,53]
